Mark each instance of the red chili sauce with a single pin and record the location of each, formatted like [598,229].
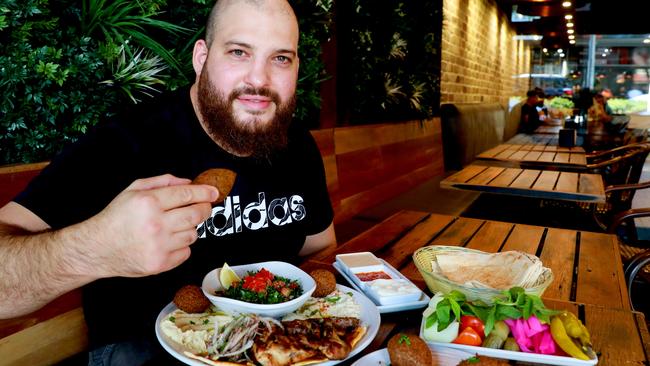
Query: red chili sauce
[371,276]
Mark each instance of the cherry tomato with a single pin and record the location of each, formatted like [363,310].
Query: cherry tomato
[474,323]
[468,337]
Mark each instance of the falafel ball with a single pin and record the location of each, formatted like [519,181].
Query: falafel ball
[191,299]
[325,282]
[407,349]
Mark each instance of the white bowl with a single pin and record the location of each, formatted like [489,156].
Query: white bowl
[211,284]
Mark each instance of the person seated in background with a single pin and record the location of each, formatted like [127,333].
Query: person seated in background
[530,116]
[600,111]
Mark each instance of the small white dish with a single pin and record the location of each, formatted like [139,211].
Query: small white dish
[378,358]
[211,285]
[383,291]
[359,262]
[420,302]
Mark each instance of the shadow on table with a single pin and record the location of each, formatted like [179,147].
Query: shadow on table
[531,211]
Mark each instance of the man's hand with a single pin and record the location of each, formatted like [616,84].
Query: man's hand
[148,227]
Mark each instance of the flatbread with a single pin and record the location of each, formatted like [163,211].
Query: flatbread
[490,270]
[353,339]
[212,362]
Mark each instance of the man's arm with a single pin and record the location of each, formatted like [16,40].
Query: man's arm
[317,242]
[146,229]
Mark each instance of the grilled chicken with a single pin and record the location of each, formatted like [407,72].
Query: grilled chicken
[304,339]
[279,349]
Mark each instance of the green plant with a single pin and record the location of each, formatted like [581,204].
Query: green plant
[140,73]
[122,21]
[67,64]
[392,59]
[49,80]
[559,102]
[626,106]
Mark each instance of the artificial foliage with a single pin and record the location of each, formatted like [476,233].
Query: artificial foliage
[390,59]
[65,65]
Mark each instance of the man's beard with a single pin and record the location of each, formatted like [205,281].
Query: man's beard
[243,138]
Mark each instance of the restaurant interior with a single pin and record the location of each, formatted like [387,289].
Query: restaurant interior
[418,119]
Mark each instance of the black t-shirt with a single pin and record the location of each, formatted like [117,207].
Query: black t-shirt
[272,207]
[533,118]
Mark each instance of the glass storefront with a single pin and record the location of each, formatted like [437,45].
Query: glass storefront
[620,69]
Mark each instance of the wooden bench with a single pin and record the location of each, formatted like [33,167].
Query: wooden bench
[364,166]
[470,129]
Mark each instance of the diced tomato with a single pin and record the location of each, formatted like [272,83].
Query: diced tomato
[469,337]
[254,284]
[474,323]
[263,274]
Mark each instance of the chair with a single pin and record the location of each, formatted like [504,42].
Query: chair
[620,165]
[635,254]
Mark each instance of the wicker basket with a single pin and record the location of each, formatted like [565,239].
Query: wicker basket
[437,283]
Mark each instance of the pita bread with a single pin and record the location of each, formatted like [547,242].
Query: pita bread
[214,363]
[499,271]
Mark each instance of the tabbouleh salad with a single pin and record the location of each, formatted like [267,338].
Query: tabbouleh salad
[263,287]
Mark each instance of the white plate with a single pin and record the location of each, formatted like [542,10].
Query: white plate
[378,358]
[420,303]
[443,357]
[508,355]
[369,317]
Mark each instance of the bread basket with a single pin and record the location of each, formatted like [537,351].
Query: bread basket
[438,283]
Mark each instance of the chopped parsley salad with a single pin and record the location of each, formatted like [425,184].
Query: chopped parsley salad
[263,287]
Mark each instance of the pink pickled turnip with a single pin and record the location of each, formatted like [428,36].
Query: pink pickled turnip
[532,336]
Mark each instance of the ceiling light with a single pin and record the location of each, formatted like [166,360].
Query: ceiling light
[569,25]
[647,40]
[570,31]
[604,55]
[571,36]
[566,4]
[545,50]
[568,17]
[573,41]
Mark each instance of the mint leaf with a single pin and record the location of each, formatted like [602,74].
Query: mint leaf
[455,308]
[507,312]
[490,320]
[431,320]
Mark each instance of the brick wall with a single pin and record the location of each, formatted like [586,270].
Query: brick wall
[479,55]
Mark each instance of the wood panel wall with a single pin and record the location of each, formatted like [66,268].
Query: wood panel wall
[371,164]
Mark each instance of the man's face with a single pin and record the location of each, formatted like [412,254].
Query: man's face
[248,80]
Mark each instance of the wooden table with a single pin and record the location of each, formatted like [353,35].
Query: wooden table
[537,154]
[545,184]
[538,139]
[586,266]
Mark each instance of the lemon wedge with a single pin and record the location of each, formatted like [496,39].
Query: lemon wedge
[227,276]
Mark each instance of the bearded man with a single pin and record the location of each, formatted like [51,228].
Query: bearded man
[115,213]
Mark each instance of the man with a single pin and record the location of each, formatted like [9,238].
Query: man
[530,117]
[600,112]
[115,212]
